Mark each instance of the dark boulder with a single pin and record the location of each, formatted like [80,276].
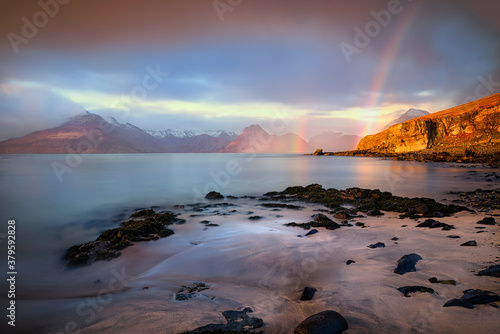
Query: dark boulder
[487,221]
[473,297]
[407,263]
[348,262]
[214,195]
[469,243]
[491,271]
[431,223]
[308,293]
[453,236]
[377,245]
[311,232]
[324,322]
[374,213]
[407,290]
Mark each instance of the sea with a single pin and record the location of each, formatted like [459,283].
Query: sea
[59,200]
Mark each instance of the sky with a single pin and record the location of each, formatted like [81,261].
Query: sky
[289,65]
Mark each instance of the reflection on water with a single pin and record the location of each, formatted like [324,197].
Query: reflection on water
[53,215]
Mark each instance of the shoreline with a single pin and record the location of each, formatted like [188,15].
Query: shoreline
[490,161]
[263,265]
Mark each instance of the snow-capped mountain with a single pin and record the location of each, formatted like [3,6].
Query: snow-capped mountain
[409,115]
[169,133]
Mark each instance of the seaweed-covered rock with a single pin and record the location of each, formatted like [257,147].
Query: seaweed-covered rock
[320,220]
[144,225]
[473,297]
[329,322]
[366,199]
[408,290]
[407,263]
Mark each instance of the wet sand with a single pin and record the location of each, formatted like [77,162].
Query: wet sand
[264,265]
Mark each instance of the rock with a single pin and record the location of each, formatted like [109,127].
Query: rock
[395,239]
[449,281]
[237,322]
[377,245]
[324,322]
[214,195]
[349,262]
[143,213]
[473,297]
[407,263]
[407,290]
[491,271]
[453,236]
[469,243]
[319,151]
[342,215]
[193,290]
[487,221]
[359,224]
[308,293]
[311,232]
[282,206]
[375,212]
[431,223]
[320,220]
[255,217]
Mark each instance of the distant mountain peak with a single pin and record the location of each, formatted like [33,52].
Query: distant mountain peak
[410,114]
[170,133]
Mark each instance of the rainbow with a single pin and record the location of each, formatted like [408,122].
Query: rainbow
[376,90]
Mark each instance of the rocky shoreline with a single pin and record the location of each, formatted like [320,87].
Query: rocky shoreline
[468,157]
[330,213]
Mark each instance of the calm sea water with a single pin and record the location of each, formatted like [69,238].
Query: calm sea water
[95,193]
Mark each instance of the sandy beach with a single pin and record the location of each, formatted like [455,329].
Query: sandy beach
[264,265]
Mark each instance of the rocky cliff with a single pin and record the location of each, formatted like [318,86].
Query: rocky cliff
[472,128]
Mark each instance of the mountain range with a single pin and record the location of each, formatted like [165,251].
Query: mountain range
[91,133]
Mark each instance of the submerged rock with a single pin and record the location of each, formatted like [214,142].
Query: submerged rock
[308,293]
[329,322]
[348,262]
[320,220]
[473,297]
[214,195]
[407,263]
[491,271]
[407,290]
